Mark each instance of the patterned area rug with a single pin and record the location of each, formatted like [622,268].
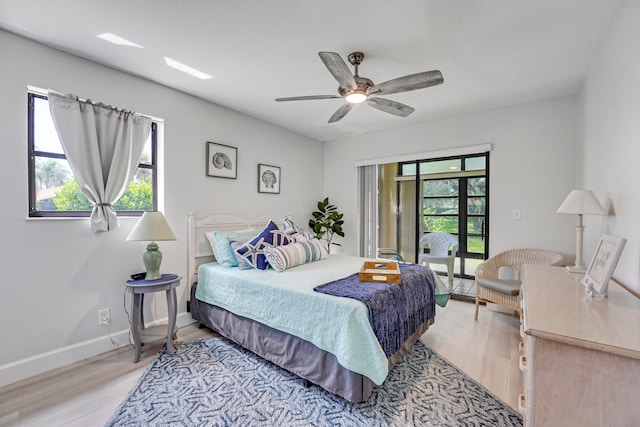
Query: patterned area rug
[216,383]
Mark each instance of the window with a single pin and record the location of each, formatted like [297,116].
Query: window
[54,192]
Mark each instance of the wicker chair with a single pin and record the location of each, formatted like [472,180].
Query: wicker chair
[506,292]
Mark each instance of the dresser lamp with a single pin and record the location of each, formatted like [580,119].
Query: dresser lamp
[152,227]
[580,202]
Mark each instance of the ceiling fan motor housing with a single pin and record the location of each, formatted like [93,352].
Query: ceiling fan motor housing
[362,85]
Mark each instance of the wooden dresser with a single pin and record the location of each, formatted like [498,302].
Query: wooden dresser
[580,356]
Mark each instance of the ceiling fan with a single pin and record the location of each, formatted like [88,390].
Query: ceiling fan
[355,89]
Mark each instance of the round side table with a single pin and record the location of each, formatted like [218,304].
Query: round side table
[141,334]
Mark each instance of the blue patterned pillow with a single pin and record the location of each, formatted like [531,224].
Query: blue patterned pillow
[222,249]
[294,231]
[284,257]
[253,251]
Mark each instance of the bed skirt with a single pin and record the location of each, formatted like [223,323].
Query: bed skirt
[292,353]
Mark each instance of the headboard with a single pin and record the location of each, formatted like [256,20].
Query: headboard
[199,249]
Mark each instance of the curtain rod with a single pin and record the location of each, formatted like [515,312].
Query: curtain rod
[45,92]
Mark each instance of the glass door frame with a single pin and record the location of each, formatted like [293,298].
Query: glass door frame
[463,209]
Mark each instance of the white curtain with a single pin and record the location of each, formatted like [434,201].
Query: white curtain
[103,146]
[368,210]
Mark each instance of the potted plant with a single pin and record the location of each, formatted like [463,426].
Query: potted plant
[326,222]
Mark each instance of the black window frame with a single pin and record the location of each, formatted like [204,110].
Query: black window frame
[32,153]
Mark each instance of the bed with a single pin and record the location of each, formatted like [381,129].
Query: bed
[324,339]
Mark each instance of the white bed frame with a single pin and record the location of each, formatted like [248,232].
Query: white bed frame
[199,249]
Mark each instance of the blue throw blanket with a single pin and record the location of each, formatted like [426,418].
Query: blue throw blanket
[395,311]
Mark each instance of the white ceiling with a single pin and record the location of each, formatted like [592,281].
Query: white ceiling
[492,53]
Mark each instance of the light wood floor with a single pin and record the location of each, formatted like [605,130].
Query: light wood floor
[87,393]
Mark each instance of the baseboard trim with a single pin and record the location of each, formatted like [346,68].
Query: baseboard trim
[25,368]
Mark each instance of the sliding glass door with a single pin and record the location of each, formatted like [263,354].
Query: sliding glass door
[448,195]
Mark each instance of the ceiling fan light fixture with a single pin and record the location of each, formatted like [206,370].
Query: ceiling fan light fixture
[356,97]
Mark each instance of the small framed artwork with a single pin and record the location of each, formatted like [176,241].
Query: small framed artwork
[268,179]
[222,160]
[602,265]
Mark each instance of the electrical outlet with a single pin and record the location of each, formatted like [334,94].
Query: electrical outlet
[104,316]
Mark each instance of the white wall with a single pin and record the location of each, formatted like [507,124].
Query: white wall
[532,168]
[610,132]
[57,274]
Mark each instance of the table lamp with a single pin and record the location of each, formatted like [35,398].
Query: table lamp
[581,202]
[152,226]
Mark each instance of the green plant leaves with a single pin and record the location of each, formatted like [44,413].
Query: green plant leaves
[327,221]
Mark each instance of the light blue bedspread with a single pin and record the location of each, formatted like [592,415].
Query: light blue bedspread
[286,301]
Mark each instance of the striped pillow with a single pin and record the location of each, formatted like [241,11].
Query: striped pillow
[292,230]
[283,257]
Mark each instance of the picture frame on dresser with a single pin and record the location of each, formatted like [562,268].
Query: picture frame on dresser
[604,262]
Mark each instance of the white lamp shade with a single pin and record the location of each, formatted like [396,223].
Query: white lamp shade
[581,202]
[152,226]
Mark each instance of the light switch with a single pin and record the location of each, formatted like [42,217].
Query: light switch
[515,214]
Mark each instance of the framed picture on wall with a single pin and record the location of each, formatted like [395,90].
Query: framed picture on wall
[222,160]
[602,265]
[269,179]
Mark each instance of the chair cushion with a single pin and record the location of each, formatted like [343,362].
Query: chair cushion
[506,286]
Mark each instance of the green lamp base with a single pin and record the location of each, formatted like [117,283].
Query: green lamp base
[152,259]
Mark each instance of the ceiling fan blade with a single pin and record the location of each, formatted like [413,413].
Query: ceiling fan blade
[407,83]
[308,97]
[391,107]
[338,69]
[341,112]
